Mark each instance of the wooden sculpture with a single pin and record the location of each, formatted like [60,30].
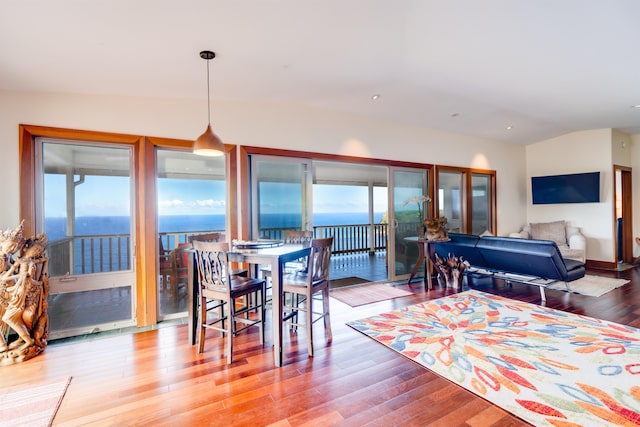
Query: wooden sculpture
[452,269]
[24,288]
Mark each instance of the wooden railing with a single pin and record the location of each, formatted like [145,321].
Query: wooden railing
[104,253]
[89,254]
[347,239]
[100,253]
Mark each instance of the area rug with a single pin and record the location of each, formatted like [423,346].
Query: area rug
[366,294]
[593,286]
[347,281]
[32,405]
[545,366]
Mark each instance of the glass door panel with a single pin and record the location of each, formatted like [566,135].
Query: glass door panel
[281,196]
[450,199]
[191,199]
[408,209]
[85,208]
[480,203]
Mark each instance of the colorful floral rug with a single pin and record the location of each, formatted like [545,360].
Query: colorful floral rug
[545,366]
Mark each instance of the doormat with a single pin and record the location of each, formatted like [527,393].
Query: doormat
[32,404]
[366,294]
[546,366]
[346,281]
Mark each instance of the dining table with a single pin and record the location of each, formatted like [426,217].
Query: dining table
[274,256]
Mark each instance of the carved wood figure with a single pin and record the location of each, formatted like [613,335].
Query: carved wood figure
[452,269]
[24,288]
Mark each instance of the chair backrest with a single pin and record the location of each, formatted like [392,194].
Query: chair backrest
[212,264]
[320,257]
[178,257]
[298,236]
[207,237]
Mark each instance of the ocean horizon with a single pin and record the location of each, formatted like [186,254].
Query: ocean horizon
[55,227]
[99,254]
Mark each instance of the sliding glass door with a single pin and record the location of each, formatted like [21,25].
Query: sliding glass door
[281,196]
[408,208]
[451,192]
[481,198]
[85,207]
[191,201]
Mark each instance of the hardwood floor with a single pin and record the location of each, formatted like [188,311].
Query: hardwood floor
[156,378]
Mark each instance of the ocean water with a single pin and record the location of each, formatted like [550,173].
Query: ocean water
[105,225]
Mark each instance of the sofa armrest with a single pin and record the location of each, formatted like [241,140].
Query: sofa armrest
[576,239]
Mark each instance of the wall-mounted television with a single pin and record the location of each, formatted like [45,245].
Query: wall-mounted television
[571,188]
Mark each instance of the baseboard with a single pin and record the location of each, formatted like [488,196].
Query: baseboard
[603,265]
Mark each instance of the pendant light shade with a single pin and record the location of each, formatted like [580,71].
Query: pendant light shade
[208,144]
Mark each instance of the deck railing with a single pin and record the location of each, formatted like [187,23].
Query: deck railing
[347,238]
[89,254]
[104,253]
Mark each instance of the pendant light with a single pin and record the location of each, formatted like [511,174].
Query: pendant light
[208,144]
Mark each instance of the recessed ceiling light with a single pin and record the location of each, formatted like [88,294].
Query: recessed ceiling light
[375,97]
[509,127]
[636,106]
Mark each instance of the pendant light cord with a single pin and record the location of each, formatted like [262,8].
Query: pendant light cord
[208,94]
[208,144]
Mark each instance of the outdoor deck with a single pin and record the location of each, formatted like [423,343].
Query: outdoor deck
[373,268]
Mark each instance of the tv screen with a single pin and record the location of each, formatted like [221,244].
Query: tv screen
[572,188]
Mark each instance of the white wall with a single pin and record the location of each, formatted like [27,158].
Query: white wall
[621,149]
[585,151]
[634,154]
[277,126]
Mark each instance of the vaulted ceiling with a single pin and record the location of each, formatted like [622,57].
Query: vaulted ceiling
[543,67]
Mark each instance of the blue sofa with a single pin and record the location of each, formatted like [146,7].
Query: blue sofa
[508,257]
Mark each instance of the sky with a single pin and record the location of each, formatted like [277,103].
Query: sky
[110,196]
[189,185]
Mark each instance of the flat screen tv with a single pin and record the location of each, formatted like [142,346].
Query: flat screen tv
[572,188]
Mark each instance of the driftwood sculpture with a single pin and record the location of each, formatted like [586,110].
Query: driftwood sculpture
[24,288]
[452,269]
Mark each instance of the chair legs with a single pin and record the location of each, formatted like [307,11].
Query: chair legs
[305,303]
[309,324]
[227,318]
[327,314]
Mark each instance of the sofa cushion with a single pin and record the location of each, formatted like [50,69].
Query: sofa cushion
[554,231]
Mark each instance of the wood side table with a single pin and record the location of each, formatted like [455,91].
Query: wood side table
[425,254]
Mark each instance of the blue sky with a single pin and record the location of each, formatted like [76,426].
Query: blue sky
[332,198]
[98,196]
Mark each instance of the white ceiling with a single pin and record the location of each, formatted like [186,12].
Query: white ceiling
[545,67]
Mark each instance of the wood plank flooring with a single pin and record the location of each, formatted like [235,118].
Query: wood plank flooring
[156,378]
